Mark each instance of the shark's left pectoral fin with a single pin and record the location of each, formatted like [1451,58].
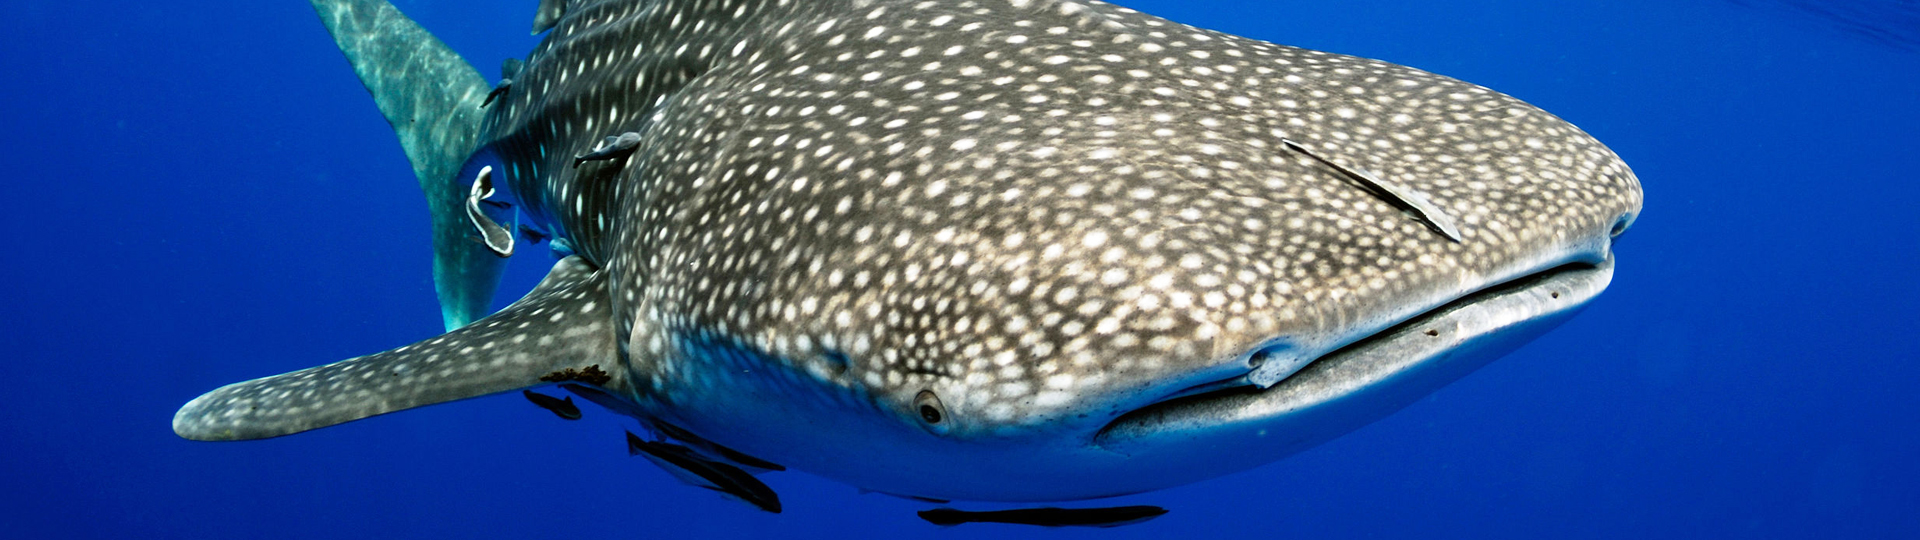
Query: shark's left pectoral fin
[558,332]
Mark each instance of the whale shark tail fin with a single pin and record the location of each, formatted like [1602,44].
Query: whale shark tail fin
[562,332]
[431,96]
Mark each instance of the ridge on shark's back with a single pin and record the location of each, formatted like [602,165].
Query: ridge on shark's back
[1012,250]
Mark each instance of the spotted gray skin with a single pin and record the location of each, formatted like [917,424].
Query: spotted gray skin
[1093,243]
[464,363]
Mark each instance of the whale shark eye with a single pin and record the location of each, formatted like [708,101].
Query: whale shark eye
[929,408]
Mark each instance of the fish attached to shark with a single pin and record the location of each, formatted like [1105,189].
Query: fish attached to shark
[980,250]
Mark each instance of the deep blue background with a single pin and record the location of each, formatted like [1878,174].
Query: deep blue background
[201,192]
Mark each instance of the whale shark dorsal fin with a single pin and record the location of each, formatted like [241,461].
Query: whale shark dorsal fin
[560,332]
[549,14]
[431,96]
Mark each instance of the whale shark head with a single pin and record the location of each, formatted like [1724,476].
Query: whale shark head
[1011,250]
[1039,245]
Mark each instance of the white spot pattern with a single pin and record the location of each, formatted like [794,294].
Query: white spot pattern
[980,197]
[1040,210]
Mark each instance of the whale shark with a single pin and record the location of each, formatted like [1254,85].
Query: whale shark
[975,250]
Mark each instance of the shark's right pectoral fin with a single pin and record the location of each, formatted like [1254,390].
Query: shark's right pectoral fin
[560,332]
[431,96]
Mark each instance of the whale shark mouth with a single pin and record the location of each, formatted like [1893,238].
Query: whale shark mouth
[1364,380]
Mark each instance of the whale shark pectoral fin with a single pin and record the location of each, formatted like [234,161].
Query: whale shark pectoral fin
[431,96]
[549,14]
[563,330]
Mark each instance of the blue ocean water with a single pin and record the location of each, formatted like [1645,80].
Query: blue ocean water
[201,192]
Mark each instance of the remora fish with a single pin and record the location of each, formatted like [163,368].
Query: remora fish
[564,408]
[1047,517]
[1012,250]
[695,470]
